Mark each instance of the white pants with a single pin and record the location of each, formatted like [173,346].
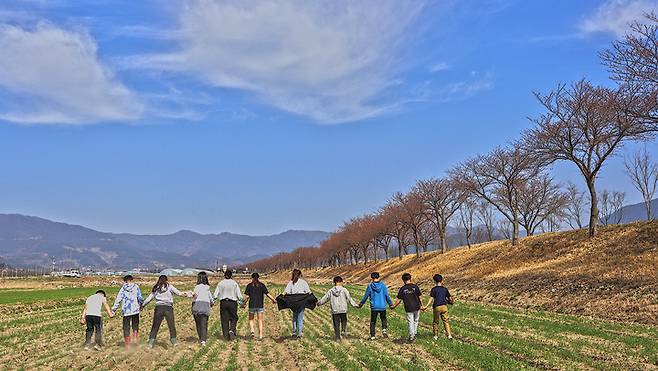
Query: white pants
[412,321]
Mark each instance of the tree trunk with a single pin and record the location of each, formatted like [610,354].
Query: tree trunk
[386,253]
[515,232]
[594,208]
[444,242]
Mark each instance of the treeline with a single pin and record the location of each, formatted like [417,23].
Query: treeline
[510,188]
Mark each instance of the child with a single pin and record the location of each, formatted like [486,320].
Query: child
[163,293]
[411,296]
[339,297]
[92,317]
[256,292]
[201,305]
[378,295]
[228,293]
[440,298]
[130,298]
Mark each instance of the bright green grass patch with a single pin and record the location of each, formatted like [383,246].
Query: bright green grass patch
[32,296]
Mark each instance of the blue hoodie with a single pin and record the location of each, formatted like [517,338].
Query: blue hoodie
[131,297]
[378,295]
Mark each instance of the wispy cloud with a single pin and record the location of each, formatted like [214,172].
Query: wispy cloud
[330,61]
[614,16]
[462,89]
[51,75]
[438,67]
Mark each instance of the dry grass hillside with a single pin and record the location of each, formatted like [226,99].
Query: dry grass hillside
[614,275]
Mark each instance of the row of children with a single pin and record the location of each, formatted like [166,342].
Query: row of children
[229,296]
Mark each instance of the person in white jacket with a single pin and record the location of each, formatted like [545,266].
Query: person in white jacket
[229,295]
[201,306]
[339,298]
[163,293]
[130,299]
[297,286]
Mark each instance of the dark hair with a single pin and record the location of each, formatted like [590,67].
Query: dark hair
[202,278]
[296,274]
[338,279]
[438,278]
[374,275]
[162,283]
[127,278]
[101,292]
[254,279]
[406,277]
[228,274]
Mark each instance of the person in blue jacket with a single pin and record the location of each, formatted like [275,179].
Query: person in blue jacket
[377,292]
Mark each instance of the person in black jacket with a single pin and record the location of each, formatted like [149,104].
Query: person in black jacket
[297,296]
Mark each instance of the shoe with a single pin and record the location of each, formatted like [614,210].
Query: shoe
[449,337]
[173,342]
[231,335]
[253,336]
[413,339]
[151,343]
[343,334]
[299,337]
[373,338]
[260,338]
[87,347]
[384,333]
[436,337]
[97,347]
[203,343]
[410,339]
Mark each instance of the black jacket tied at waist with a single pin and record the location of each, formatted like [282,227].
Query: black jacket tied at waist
[296,302]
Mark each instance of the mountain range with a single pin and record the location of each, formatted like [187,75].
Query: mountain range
[33,241]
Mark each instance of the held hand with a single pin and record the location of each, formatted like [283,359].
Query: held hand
[83,321]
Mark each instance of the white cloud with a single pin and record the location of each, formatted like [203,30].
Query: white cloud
[614,16]
[49,75]
[438,67]
[332,61]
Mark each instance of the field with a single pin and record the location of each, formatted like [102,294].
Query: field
[39,330]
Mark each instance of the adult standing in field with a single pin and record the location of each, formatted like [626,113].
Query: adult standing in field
[228,293]
[255,293]
[163,293]
[201,306]
[130,299]
[297,286]
[410,295]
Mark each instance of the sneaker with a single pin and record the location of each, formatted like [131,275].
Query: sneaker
[203,343]
[384,333]
[151,343]
[173,342]
[260,338]
[449,337]
[299,337]
[373,338]
[413,339]
[97,347]
[87,347]
[231,335]
[436,337]
[343,334]
[253,335]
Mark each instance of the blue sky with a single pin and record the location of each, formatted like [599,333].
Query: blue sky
[257,117]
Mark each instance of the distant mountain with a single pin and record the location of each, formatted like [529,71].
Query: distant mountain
[636,212]
[28,240]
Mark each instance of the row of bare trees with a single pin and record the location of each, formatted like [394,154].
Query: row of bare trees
[510,188]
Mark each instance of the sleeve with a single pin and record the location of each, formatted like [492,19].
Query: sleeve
[174,290]
[324,299]
[418,292]
[148,299]
[307,288]
[140,298]
[365,296]
[118,300]
[447,293]
[247,290]
[400,293]
[216,294]
[349,298]
[388,297]
[288,289]
[238,292]
[265,290]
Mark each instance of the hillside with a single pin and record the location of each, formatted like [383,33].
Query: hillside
[29,241]
[635,212]
[611,276]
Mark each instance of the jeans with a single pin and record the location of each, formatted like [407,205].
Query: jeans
[373,321]
[298,322]
[228,314]
[412,322]
[441,315]
[167,313]
[340,324]
[94,325]
[130,320]
[201,321]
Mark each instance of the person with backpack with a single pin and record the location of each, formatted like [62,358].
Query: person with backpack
[377,293]
[163,293]
[130,299]
[228,293]
[92,317]
[297,286]
[440,298]
[255,293]
[202,303]
[339,297]
[410,295]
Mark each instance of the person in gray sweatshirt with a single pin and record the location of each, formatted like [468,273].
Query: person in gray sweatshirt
[339,298]
[163,293]
[201,306]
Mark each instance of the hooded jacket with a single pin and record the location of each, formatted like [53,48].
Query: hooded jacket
[378,295]
[339,297]
[130,298]
[164,296]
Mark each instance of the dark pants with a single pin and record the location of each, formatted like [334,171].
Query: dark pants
[163,312]
[373,320]
[130,320]
[201,321]
[94,324]
[228,314]
[340,324]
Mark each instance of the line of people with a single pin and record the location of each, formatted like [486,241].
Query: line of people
[297,296]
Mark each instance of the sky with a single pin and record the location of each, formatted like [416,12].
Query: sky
[257,117]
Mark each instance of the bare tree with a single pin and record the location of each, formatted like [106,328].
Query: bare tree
[497,178]
[399,228]
[611,207]
[466,216]
[413,215]
[575,206]
[644,176]
[441,199]
[505,227]
[539,199]
[585,125]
